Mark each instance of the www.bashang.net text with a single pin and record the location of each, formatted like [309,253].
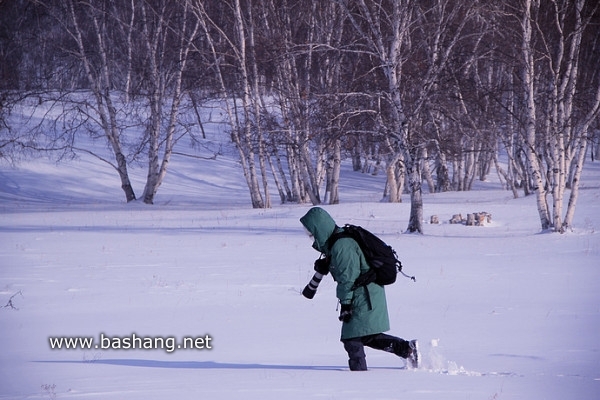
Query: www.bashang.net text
[130,342]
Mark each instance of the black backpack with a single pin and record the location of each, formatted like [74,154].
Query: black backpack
[380,256]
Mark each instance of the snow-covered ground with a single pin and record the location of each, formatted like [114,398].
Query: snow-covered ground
[501,311]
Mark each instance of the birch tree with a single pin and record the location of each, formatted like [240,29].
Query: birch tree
[83,16]
[397,33]
[103,38]
[554,84]
[167,35]
[239,119]
[293,79]
[330,106]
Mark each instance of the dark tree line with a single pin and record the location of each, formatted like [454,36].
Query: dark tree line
[431,92]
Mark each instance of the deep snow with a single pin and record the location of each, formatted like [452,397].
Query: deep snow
[501,311]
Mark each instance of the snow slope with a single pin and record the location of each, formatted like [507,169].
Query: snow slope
[501,311]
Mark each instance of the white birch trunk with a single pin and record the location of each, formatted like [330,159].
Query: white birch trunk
[392,182]
[583,138]
[100,85]
[176,98]
[240,132]
[335,173]
[427,171]
[568,221]
[152,43]
[129,53]
[530,124]
[255,194]
[257,101]
[415,222]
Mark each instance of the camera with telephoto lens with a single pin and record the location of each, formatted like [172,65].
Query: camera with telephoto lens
[321,269]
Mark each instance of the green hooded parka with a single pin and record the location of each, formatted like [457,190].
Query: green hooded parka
[369,310]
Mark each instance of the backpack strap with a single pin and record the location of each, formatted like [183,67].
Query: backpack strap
[336,235]
[365,277]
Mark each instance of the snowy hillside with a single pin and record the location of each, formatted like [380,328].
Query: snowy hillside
[501,311]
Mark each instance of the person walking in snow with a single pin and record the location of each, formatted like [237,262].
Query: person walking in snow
[363,313]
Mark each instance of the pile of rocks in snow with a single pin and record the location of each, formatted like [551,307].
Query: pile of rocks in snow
[474,219]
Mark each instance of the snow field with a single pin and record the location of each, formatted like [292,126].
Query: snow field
[501,311]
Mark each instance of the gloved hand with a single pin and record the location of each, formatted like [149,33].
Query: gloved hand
[322,265]
[345,313]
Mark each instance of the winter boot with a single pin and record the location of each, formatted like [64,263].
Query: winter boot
[357,364]
[412,361]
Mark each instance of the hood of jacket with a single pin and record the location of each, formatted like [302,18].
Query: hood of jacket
[320,224]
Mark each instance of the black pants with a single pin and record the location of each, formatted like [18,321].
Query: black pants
[356,348]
